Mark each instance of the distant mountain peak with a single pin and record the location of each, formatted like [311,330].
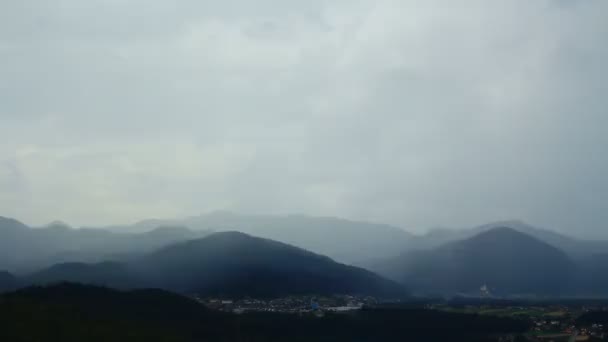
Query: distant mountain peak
[169,229]
[234,240]
[7,222]
[58,224]
[502,231]
[232,234]
[504,258]
[345,240]
[509,223]
[505,238]
[525,227]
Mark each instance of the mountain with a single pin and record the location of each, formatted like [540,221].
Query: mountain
[112,274]
[575,248]
[11,225]
[342,240]
[593,275]
[504,259]
[24,249]
[10,252]
[234,263]
[7,281]
[229,264]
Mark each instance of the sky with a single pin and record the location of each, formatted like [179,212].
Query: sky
[415,113]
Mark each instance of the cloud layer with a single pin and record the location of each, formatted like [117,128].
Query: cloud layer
[417,113]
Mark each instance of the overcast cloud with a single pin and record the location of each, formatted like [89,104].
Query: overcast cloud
[417,113]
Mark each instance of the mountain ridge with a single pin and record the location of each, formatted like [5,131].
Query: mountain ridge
[24,249]
[575,247]
[262,266]
[230,264]
[341,239]
[509,261]
[8,281]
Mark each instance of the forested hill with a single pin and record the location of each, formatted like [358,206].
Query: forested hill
[76,313]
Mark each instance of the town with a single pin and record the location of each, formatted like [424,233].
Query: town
[317,305]
[561,321]
[547,322]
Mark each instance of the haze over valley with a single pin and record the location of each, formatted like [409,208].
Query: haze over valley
[232,254]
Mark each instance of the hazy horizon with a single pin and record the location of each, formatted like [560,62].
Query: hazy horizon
[417,114]
[420,231]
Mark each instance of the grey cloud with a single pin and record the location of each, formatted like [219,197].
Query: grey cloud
[416,113]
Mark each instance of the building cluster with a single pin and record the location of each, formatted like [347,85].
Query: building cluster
[566,325]
[290,304]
